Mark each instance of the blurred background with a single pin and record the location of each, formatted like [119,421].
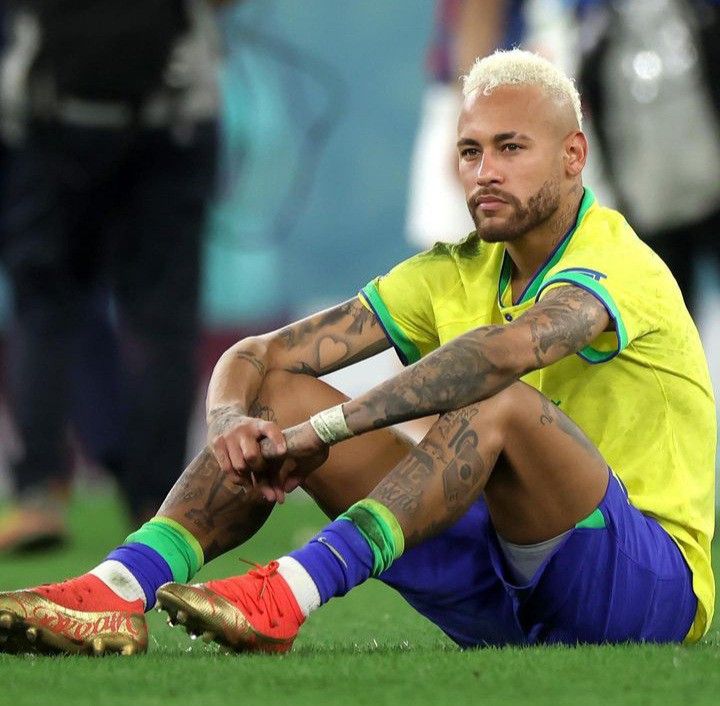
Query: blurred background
[322,112]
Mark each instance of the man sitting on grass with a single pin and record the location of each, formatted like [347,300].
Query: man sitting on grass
[565,494]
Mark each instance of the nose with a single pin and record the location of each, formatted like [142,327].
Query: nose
[487,172]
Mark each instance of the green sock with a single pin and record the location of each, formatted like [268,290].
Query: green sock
[380,529]
[175,544]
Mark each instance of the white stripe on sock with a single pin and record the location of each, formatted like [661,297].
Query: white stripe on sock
[301,584]
[118,578]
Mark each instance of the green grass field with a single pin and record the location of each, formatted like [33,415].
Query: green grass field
[369,648]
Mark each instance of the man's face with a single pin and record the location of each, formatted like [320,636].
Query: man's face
[510,146]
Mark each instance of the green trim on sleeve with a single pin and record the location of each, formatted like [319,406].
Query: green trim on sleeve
[406,349]
[589,284]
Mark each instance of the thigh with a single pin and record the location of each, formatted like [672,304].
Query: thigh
[619,578]
[548,474]
[354,467]
[538,472]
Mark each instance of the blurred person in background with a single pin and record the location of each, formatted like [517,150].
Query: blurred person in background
[436,209]
[650,75]
[109,116]
[463,30]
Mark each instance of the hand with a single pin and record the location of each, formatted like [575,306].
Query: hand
[234,439]
[304,452]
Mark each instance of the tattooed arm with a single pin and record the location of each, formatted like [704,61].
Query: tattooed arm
[315,346]
[480,363]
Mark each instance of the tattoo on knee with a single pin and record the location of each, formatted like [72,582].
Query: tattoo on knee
[550,413]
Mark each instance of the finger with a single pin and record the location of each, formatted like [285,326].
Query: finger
[251,452]
[268,493]
[273,432]
[237,458]
[279,494]
[291,483]
[268,449]
[220,452]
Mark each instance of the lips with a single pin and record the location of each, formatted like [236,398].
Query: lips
[488,201]
[488,204]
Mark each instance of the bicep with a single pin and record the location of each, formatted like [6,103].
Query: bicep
[327,341]
[563,322]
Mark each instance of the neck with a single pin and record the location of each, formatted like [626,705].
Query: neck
[532,249]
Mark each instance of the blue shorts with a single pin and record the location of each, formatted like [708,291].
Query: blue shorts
[626,581]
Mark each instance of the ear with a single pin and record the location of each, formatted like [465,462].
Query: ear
[575,150]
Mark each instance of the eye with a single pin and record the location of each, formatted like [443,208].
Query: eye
[511,147]
[469,152]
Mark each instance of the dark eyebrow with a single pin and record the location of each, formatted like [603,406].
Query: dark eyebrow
[500,137]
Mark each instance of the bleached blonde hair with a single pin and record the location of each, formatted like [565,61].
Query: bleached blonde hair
[516,67]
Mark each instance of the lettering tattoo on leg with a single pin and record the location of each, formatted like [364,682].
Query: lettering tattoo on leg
[450,454]
[402,490]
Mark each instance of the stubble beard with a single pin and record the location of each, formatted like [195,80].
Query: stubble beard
[540,207]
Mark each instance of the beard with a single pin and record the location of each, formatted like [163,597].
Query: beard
[540,207]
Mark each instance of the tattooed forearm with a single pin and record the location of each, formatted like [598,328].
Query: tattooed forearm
[461,372]
[332,340]
[482,362]
[221,418]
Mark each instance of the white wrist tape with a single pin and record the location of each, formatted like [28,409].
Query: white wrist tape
[330,425]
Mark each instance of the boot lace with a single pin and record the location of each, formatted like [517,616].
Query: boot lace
[263,600]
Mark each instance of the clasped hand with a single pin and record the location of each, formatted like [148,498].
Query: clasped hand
[259,454]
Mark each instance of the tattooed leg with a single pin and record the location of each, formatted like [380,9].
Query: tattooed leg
[539,473]
[222,515]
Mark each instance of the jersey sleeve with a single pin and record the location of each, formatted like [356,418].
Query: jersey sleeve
[402,302]
[613,277]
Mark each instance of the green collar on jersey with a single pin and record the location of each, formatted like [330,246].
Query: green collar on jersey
[533,286]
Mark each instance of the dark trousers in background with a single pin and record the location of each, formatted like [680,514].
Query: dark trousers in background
[102,245]
[681,248]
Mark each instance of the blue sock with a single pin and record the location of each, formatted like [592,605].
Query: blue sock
[337,559]
[146,565]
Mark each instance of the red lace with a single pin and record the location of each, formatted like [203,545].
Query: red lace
[264,600]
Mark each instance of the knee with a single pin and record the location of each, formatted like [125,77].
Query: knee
[498,412]
[291,397]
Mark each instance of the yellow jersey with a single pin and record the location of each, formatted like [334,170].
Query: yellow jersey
[641,393]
